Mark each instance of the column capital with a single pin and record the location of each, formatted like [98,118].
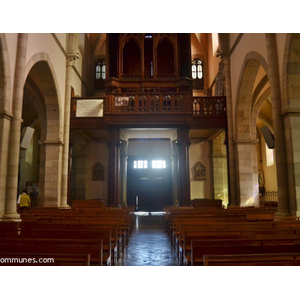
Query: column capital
[71,58]
[6,115]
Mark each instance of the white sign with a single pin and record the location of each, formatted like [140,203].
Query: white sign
[89,108]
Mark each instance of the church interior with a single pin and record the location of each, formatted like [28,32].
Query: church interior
[150,149]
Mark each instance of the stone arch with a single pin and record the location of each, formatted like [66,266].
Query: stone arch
[255,112]
[41,88]
[246,142]
[40,72]
[253,61]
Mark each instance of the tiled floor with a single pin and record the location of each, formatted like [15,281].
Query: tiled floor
[149,244]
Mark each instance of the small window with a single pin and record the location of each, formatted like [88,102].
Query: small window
[269,156]
[100,69]
[197,74]
[159,164]
[100,74]
[197,70]
[140,164]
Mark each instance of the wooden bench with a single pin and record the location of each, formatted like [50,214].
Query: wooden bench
[184,248]
[111,243]
[78,204]
[262,259]
[67,235]
[44,259]
[206,227]
[198,251]
[66,248]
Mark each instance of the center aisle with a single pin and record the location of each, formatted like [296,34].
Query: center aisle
[149,244]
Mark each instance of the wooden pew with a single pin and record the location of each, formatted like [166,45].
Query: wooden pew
[88,215]
[44,259]
[78,204]
[235,228]
[67,235]
[248,247]
[110,243]
[25,248]
[261,259]
[190,234]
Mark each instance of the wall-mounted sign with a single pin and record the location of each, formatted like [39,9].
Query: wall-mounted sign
[89,108]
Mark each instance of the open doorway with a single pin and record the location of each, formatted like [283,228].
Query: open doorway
[149,185]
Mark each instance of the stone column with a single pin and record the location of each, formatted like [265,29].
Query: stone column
[113,167]
[219,162]
[280,151]
[70,61]
[175,165]
[248,172]
[5,123]
[184,190]
[123,172]
[51,153]
[15,130]
[231,154]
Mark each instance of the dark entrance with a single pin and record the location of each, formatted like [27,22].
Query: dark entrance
[149,184]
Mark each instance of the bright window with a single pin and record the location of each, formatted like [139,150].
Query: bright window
[197,71]
[159,164]
[100,69]
[140,164]
[269,156]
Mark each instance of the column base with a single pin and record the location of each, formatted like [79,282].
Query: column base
[65,206]
[11,217]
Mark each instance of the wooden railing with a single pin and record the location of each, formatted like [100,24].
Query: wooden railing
[152,103]
[209,106]
[148,103]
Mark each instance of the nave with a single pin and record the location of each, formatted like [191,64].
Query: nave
[149,244]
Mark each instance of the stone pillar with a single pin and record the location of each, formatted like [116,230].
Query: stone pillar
[184,193]
[5,122]
[113,167]
[231,154]
[70,61]
[51,153]
[219,161]
[280,151]
[175,164]
[123,172]
[15,130]
[248,172]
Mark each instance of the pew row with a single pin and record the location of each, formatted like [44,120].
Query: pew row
[44,259]
[53,247]
[261,259]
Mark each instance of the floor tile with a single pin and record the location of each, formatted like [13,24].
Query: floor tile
[149,244]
